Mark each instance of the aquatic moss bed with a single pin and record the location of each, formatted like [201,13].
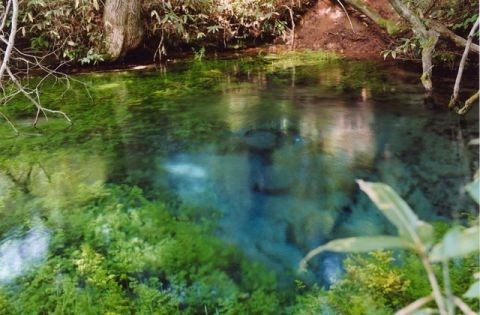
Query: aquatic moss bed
[119,253]
[168,194]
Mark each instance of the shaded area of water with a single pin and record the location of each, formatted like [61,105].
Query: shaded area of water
[272,150]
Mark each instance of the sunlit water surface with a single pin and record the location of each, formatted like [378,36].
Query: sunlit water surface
[274,151]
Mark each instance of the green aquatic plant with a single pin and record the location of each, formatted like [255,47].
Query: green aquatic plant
[299,58]
[417,236]
[119,253]
[381,282]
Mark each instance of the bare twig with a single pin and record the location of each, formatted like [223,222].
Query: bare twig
[346,13]
[4,19]
[456,88]
[9,122]
[11,37]
[292,35]
[16,67]
[463,306]
[34,101]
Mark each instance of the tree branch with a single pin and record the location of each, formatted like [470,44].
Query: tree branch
[11,37]
[373,15]
[469,103]
[463,306]
[457,40]
[456,87]
[410,308]
[4,19]
[413,19]
[428,40]
[33,100]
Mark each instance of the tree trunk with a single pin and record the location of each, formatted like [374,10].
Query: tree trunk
[123,26]
[428,45]
[428,40]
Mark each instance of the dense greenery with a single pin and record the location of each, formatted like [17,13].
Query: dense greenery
[382,282]
[381,279]
[124,253]
[116,248]
[67,30]
[73,30]
[118,253]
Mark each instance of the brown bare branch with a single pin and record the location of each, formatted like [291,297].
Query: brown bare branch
[457,40]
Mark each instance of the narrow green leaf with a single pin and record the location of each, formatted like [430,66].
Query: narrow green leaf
[474,291]
[426,232]
[358,245]
[474,141]
[474,190]
[456,243]
[392,206]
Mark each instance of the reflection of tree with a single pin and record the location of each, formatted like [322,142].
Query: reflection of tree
[63,178]
[420,157]
[299,161]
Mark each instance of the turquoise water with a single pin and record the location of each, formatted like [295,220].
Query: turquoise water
[266,151]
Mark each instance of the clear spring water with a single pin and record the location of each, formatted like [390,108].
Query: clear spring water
[272,149]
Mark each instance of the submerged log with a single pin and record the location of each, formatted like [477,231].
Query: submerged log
[123,26]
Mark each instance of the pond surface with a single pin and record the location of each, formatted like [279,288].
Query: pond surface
[268,151]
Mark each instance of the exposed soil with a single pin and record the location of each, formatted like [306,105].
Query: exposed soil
[326,26]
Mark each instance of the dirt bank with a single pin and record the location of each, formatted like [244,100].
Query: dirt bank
[327,27]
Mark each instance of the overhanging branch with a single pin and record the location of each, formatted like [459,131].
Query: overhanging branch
[11,37]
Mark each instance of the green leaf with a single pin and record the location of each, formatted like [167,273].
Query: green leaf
[474,291]
[474,141]
[474,190]
[456,243]
[358,245]
[393,207]
[426,232]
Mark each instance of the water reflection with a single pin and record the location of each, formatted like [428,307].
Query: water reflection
[18,254]
[39,192]
[283,175]
[276,152]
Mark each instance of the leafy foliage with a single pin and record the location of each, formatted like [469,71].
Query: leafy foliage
[73,30]
[381,282]
[132,256]
[69,30]
[214,22]
[418,236]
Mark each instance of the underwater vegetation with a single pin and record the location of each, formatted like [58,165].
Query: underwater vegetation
[198,190]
